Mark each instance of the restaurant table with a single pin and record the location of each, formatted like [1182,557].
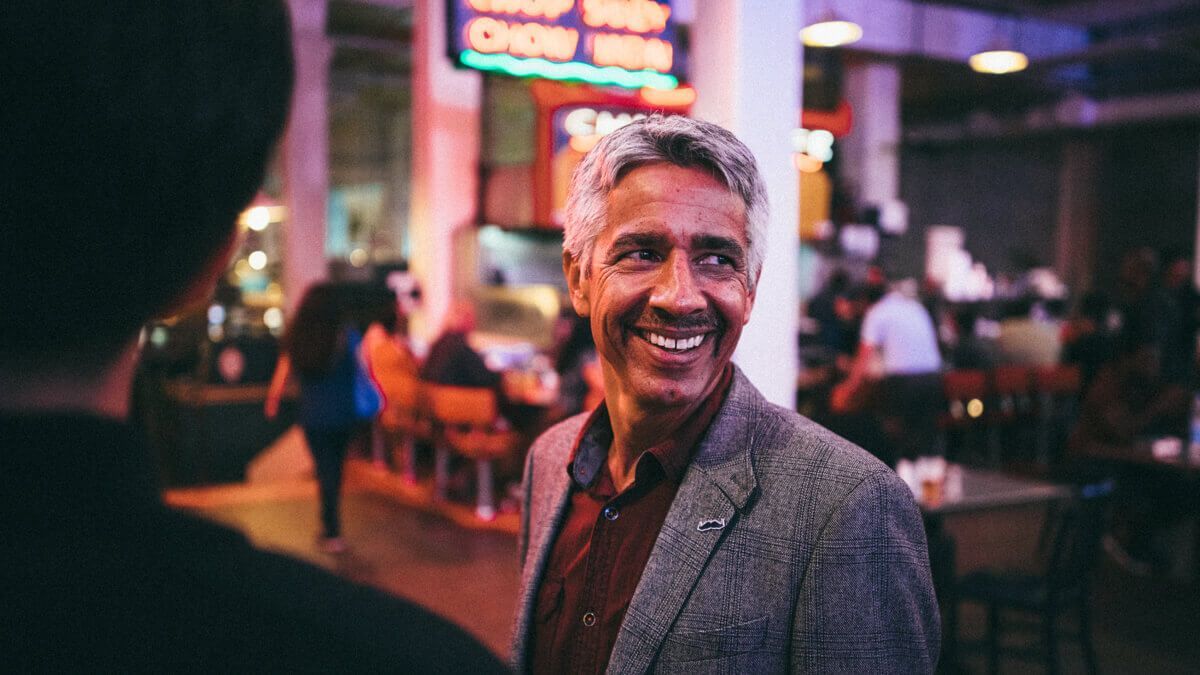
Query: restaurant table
[982,490]
[1140,453]
[1172,483]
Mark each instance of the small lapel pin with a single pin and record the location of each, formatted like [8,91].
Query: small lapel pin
[706,525]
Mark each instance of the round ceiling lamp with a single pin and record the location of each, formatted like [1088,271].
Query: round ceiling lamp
[1001,56]
[998,61]
[831,31]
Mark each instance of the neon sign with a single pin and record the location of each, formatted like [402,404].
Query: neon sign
[585,125]
[626,43]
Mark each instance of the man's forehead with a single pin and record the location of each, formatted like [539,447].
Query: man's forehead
[660,177]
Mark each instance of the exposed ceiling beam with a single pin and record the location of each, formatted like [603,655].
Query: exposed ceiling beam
[1088,13]
[1157,41]
[1109,12]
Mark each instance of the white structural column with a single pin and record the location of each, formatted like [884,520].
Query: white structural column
[745,65]
[871,152]
[445,162]
[305,152]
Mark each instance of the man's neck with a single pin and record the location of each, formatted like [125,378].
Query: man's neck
[637,429]
[61,387]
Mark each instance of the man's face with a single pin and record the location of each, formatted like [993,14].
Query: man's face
[667,292]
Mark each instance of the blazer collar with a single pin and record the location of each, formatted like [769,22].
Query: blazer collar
[725,456]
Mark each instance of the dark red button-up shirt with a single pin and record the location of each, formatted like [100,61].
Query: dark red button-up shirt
[605,541]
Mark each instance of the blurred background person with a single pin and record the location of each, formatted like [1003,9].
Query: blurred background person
[391,364]
[898,350]
[1179,285]
[1132,402]
[451,359]
[1151,310]
[1087,339]
[573,350]
[322,348]
[1026,337]
[1130,397]
[821,308]
[970,350]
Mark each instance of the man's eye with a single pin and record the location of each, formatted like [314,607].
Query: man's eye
[716,259]
[642,255]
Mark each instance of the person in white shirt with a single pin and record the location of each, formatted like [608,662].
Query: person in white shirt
[898,350]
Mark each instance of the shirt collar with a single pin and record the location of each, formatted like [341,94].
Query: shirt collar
[674,454]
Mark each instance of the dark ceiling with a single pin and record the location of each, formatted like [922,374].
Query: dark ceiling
[1137,48]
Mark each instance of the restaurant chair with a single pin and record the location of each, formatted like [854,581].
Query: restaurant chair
[962,420]
[1057,391]
[1010,416]
[469,425]
[1070,546]
[406,417]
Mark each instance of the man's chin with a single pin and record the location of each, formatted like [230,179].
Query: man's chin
[665,393]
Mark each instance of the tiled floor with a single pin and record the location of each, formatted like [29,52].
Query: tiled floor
[469,576]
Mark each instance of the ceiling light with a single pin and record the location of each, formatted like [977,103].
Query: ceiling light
[831,31]
[1002,55]
[998,61]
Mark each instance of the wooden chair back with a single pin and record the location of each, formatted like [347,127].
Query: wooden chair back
[965,384]
[1059,380]
[1012,380]
[462,406]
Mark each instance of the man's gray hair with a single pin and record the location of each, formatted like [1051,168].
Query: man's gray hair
[677,140]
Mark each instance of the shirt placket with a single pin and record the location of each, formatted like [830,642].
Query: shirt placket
[600,562]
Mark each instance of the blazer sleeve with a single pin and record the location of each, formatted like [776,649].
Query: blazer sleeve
[526,501]
[866,602]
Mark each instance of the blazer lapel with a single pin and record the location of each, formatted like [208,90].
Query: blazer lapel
[719,482]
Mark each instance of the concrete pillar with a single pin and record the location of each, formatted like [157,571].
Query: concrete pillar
[305,152]
[745,65]
[871,151]
[1075,231]
[445,162]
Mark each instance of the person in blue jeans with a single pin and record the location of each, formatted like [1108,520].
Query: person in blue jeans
[321,346]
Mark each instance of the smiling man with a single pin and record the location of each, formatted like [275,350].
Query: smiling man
[687,524]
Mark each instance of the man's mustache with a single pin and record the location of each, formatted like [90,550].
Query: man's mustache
[658,320]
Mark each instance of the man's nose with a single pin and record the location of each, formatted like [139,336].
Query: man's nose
[676,289]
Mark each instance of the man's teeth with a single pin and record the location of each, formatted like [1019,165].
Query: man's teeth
[681,344]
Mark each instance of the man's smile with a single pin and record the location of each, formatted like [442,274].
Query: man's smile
[677,344]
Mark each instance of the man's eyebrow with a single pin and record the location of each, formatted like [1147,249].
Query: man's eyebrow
[638,240]
[712,242]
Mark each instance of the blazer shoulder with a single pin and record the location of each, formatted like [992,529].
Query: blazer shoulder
[790,441]
[553,446]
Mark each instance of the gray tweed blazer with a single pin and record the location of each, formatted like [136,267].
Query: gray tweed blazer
[787,549]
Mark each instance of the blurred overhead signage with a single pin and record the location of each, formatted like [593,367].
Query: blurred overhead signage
[626,43]
[571,118]
[583,126]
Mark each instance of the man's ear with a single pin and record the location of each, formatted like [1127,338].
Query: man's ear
[751,295]
[200,288]
[577,284]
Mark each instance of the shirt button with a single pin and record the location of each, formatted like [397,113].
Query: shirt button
[611,513]
[589,619]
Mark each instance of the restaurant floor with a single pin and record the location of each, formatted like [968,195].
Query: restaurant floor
[469,576]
